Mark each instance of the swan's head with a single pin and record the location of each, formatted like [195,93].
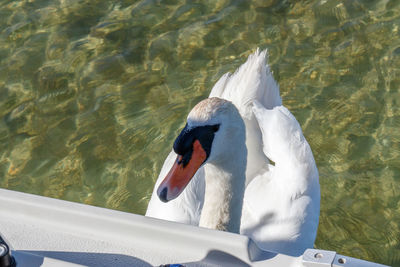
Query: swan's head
[212,134]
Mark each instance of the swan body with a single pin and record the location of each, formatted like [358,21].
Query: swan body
[233,187]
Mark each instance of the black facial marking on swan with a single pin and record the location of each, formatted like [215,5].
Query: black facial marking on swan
[183,144]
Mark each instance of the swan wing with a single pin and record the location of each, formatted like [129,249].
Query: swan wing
[186,208]
[252,81]
[281,206]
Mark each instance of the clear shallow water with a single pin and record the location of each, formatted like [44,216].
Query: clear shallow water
[93,93]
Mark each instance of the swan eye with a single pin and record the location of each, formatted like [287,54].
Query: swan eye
[215,128]
[184,160]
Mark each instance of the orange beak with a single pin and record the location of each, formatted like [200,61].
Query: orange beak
[179,176]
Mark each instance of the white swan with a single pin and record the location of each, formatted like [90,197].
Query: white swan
[224,150]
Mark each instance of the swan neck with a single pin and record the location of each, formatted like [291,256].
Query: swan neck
[224,193]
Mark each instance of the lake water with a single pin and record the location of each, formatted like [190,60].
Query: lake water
[93,93]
